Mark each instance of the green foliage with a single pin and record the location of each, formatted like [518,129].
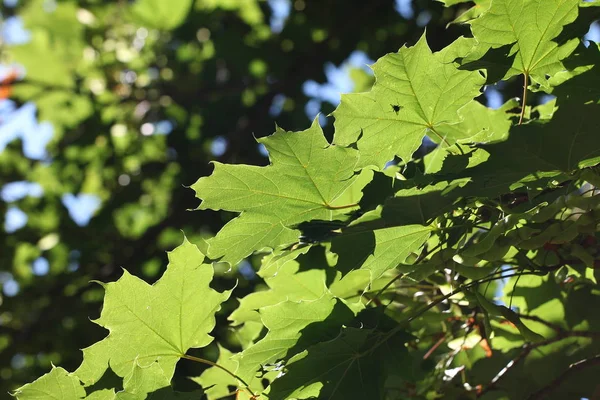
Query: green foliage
[307,179]
[470,271]
[528,30]
[416,93]
[161,15]
[147,360]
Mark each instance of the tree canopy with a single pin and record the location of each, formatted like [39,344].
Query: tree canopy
[432,233]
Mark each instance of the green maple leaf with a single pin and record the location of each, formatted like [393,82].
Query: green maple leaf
[215,379]
[481,124]
[153,326]
[581,81]
[529,30]
[540,150]
[478,8]
[416,93]
[379,250]
[343,368]
[295,281]
[308,179]
[286,284]
[56,384]
[288,323]
[59,384]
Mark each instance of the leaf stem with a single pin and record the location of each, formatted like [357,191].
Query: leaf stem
[213,364]
[330,207]
[524,104]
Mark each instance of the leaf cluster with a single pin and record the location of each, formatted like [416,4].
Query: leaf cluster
[469,271]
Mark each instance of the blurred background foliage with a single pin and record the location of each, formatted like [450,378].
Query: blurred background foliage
[110,108]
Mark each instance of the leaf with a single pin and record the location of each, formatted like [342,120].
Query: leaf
[448,162]
[481,124]
[292,325]
[166,319]
[527,28]
[56,384]
[104,394]
[479,8]
[510,315]
[418,206]
[380,250]
[499,229]
[581,81]
[416,93]
[305,181]
[342,368]
[405,202]
[160,14]
[273,262]
[540,151]
[287,284]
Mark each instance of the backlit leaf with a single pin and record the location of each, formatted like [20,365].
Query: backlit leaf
[528,29]
[306,180]
[168,318]
[416,93]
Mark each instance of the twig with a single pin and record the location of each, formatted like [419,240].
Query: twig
[434,347]
[511,364]
[528,348]
[417,313]
[573,368]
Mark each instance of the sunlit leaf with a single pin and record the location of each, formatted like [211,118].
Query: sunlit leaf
[416,93]
[306,179]
[168,318]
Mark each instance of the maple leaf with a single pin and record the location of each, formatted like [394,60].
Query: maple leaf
[379,250]
[416,93]
[347,367]
[529,30]
[307,180]
[57,381]
[152,327]
[288,323]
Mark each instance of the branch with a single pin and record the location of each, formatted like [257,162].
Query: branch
[573,368]
[511,364]
[528,348]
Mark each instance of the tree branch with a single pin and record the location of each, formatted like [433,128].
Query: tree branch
[573,368]
[528,348]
